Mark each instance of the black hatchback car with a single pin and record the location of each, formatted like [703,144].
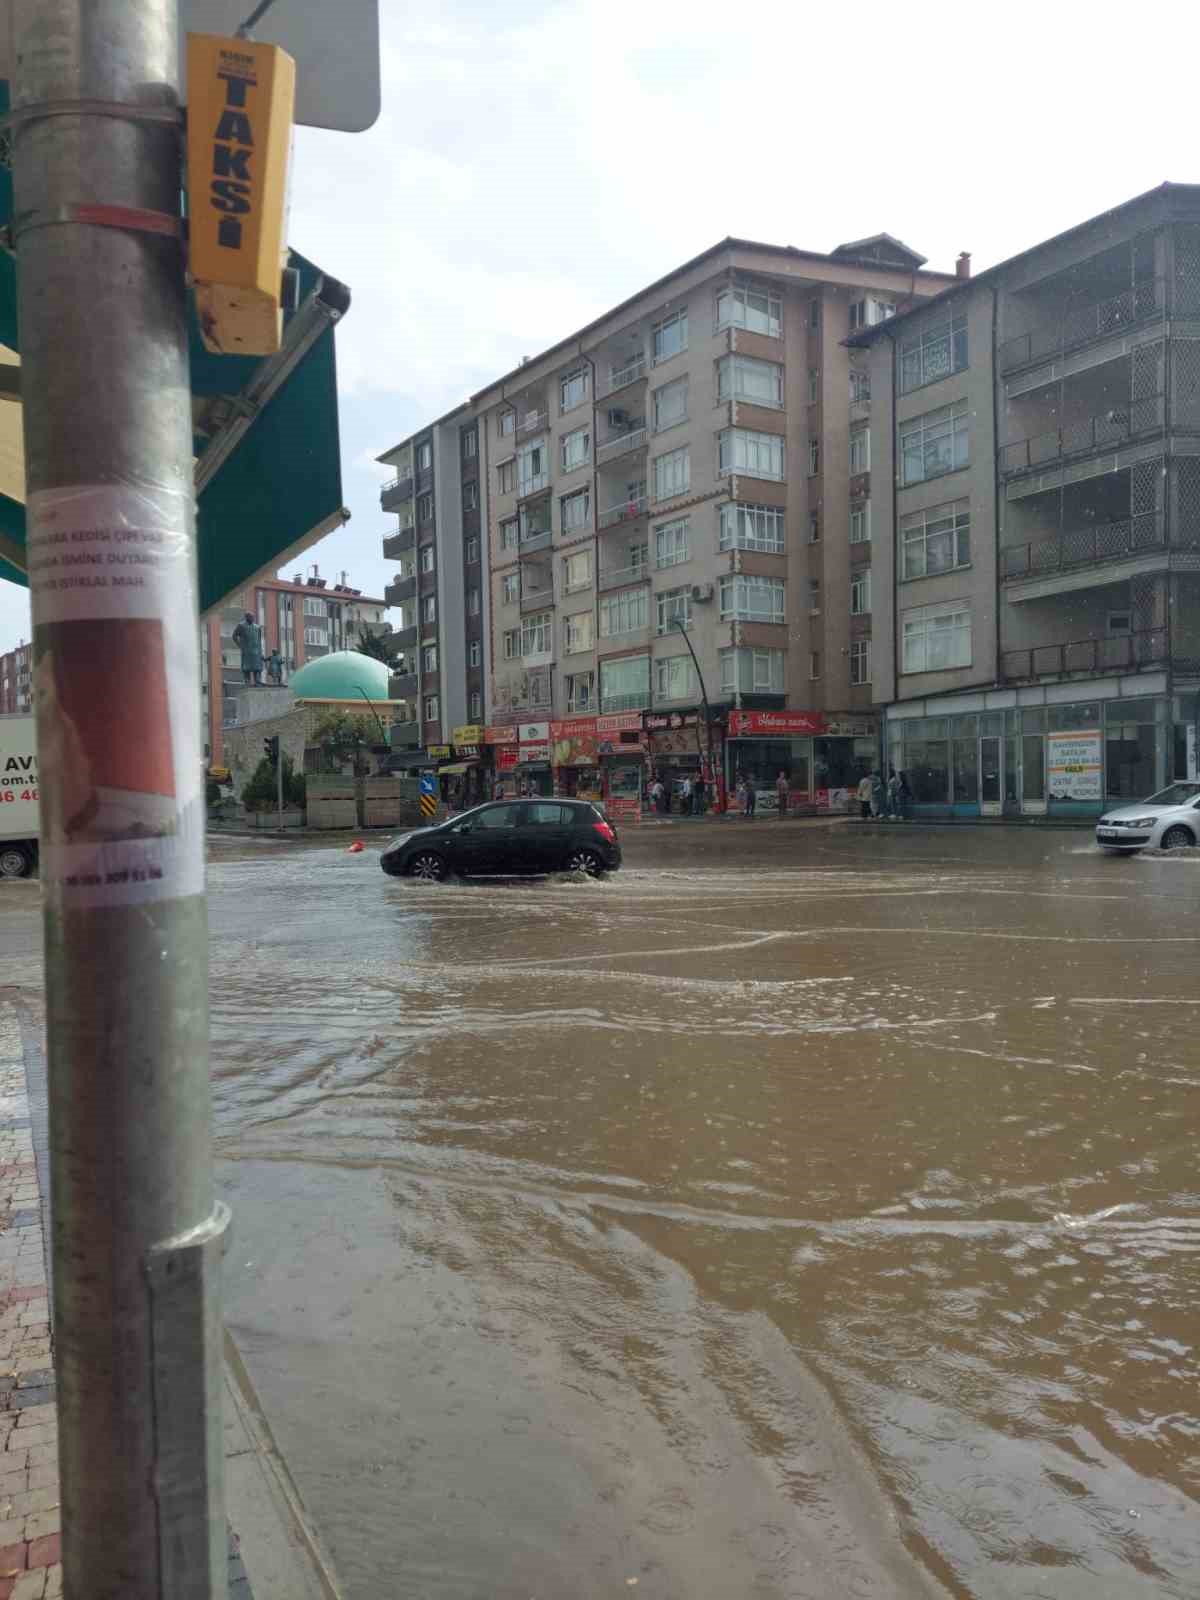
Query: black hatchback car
[509,837]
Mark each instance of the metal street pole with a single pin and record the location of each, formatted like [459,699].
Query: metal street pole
[137,1235]
[279,781]
[712,776]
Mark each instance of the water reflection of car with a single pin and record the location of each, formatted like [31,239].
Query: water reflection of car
[507,838]
[1163,822]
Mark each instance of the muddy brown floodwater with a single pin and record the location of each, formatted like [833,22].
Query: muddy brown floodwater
[807,1211]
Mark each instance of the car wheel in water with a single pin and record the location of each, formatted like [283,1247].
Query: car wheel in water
[1175,837]
[14,863]
[428,866]
[585,861]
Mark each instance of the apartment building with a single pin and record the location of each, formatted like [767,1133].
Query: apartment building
[438,494]
[1037,553]
[16,679]
[302,618]
[678,509]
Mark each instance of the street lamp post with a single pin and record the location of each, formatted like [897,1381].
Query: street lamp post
[679,623]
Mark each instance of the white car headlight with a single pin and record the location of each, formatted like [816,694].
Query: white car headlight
[1141,822]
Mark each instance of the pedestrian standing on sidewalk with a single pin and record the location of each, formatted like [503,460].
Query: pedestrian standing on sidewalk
[904,797]
[864,796]
[781,789]
[698,807]
[893,796]
[751,797]
[877,796]
[685,797]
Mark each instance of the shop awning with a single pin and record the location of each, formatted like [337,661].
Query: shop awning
[454,769]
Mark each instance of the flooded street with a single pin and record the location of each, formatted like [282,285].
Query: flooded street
[805,1211]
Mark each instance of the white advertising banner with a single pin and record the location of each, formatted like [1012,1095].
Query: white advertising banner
[1075,765]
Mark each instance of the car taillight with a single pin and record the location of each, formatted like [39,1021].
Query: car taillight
[605,832]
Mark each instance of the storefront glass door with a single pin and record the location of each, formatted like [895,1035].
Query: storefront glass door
[990,777]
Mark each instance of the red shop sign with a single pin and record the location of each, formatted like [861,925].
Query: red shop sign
[507,756]
[774,724]
[573,728]
[622,722]
[493,735]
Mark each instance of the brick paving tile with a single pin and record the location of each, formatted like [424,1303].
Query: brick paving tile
[30,1585]
[46,1551]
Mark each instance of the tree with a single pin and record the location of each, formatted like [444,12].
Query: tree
[376,645]
[261,793]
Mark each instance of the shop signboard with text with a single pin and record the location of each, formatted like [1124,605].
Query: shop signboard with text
[1074,765]
[500,735]
[775,724]
[573,742]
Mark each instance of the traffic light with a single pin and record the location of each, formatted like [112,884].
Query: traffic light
[271,749]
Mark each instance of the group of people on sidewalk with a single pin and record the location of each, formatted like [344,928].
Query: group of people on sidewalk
[692,792]
[888,802]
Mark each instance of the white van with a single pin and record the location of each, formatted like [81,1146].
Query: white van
[18,796]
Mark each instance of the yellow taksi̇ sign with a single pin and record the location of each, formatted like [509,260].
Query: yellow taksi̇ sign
[241,96]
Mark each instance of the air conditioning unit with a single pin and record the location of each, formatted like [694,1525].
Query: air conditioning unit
[617,418]
[702,592]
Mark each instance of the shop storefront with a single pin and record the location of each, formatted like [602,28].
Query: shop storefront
[823,757]
[1043,754]
[533,759]
[467,766]
[575,759]
[678,748]
[502,753]
[621,748]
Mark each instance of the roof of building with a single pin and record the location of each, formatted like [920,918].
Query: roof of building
[882,248]
[868,336]
[334,591]
[344,675]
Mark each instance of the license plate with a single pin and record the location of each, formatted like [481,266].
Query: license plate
[1107,833]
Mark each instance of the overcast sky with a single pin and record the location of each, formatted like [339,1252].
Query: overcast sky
[536,163]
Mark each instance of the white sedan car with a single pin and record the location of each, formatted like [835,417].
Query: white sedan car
[1167,819]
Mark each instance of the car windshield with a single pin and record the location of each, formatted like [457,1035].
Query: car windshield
[1175,794]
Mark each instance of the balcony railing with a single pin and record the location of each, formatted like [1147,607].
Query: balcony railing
[1125,421]
[1115,654]
[531,422]
[403,589]
[622,377]
[1082,547]
[405,638]
[639,701]
[396,491]
[402,686]
[627,511]
[622,445]
[406,735]
[535,541]
[537,600]
[622,577]
[398,544]
[1081,325]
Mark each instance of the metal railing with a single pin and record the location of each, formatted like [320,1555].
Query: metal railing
[633,439]
[622,577]
[610,703]
[532,422]
[581,707]
[402,686]
[627,511]
[1082,547]
[538,599]
[396,492]
[623,377]
[403,589]
[1124,421]
[397,544]
[1080,325]
[1146,649]
[405,638]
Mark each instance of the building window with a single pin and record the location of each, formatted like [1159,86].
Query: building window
[314,607]
[860,523]
[759,455]
[745,527]
[814,665]
[669,337]
[674,607]
[470,493]
[509,534]
[470,444]
[474,653]
[581,692]
[472,551]
[860,661]
[938,352]
[573,389]
[752,671]
[429,608]
[937,540]
[1119,624]
[860,386]
[675,679]
[472,602]
[624,612]
[867,313]
[429,658]
[427,558]
[575,511]
[670,404]
[476,711]
[860,594]
[577,633]
[814,385]
[576,447]
[671,542]
[936,638]
[424,456]
[814,315]
[316,636]
[506,424]
[934,444]
[814,457]
[814,527]
[745,378]
[425,508]
[747,598]
[577,571]
[625,684]
[814,595]
[860,451]
[534,520]
[532,467]
[511,644]
[537,634]
[506,476]
[752,306]
[672,473]
[432,708]
[511,588]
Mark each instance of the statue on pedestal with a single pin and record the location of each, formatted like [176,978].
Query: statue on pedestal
[249,640]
